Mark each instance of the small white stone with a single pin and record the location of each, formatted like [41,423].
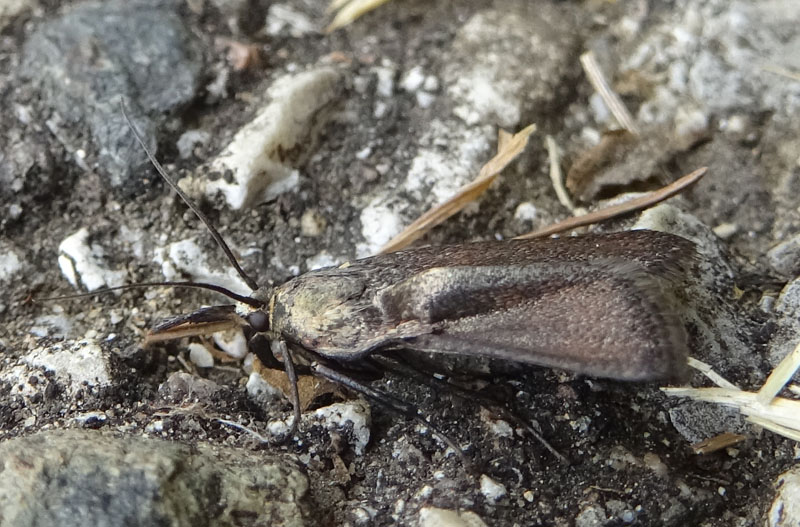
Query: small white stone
[200,356]
[385,84]
[284,17]
[232,342]
[260,390]
[492,490]
[82,363]
[9,263]
[381,109]
[379,224]
[14,211]
[185,256]
[337,415]
[413,79]
[252,157]
[529,496]
[425,99]
[726,230]
[189,139]
[323,259]
[436,517]
[78,260]
[156,427]
[526,211]
[364,153]
[312,224]
[431,83]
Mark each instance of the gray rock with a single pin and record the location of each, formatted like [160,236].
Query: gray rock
[787,333]
[785,257]
[78,478]
[721,327]
[493,76]
[697,421]
[785,510]
[85,61]
[12,8]
[181,386]
[507,62]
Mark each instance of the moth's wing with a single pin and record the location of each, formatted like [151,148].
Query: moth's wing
[658,252]
[204,321]
[606,319]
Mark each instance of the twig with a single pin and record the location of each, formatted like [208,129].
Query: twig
[243,428]
[718,442]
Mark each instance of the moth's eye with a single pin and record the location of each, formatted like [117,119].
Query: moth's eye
[259,321]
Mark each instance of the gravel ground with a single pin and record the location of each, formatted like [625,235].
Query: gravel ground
[308,149]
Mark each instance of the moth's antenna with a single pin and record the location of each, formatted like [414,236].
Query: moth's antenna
[196,285]
[217,238]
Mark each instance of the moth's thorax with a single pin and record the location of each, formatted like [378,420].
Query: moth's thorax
[322,311]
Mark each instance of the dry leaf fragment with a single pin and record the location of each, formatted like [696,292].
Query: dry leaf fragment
[621,159]
[240,55]
[308,387]
[508,148]
[612,148]
[640,203]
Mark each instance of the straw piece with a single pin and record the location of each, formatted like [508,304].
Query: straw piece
[783,72]
[556,177]
[781,415]
[601,86]
[781,375]
[709,372]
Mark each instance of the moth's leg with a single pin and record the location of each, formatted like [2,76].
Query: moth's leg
[259,345]
[400,364]
[401,407]
[288,365]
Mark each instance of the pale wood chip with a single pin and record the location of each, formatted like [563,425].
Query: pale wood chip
[717,442]
[349,10]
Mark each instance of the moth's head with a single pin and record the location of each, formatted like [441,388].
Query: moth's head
[259,310]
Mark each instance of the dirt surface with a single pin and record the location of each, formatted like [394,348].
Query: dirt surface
[627,461]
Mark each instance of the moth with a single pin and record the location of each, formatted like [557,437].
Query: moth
[597,304]
[603,305]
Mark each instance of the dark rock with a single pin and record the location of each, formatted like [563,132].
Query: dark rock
[78,478]
[86,61]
